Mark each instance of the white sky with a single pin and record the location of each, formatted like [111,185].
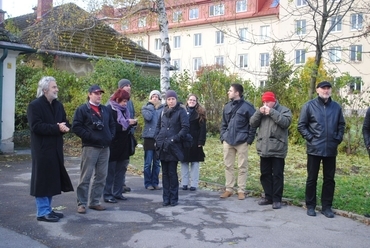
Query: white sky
[16,8]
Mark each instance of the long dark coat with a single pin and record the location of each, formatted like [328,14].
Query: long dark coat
[198,131]
[49,176]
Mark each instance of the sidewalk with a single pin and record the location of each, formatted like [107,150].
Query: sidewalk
[201,219]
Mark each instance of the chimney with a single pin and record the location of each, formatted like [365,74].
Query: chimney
[43,6]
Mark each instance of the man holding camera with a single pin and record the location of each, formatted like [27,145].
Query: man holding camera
[94,124]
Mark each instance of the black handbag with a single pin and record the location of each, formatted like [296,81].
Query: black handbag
[133,144]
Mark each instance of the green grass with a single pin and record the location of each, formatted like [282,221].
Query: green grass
[352,191]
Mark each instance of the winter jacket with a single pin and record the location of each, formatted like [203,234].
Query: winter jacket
[272,133]
[151,116]
[235,129]
[366,130]
[171,130]
[322,126]
[198,131]
[49,176]
[84,127]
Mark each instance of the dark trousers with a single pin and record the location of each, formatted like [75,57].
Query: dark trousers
[327,193]
[272,177]
[170,182]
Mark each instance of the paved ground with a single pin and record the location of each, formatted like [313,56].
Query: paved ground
[200,220]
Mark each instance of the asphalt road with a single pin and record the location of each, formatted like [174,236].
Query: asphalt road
[201,219]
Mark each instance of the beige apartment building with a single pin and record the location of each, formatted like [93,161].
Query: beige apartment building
[240,34]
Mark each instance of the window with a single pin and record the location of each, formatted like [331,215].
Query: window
[300,56]
[300,3]
[142,22]
[243,34]
[176,41]
[241,6]
[216,10]
[300,27]
[265,32]
[263,83]
[335,54]
[177,15]
[355,53]
[219,60]
[193,14]
[177,64]
[197,40]
[265,59]
[197,63]
[356,21]
[243,60]
[140,43]
[158,44]
[336,23]
[219,37]
[355,84]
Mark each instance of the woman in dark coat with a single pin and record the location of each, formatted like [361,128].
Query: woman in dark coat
[194,154]
[48,122]
[120,146]
[171,130]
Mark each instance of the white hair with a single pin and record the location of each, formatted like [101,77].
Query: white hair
[44,85]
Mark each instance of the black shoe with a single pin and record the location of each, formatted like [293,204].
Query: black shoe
[111,200]
[165,204]
[264,201]
[57,214]
[121,197]
[328,213]
[174,204]
[126,189]
[193,189]
[185,187]
[49,218]
[311,212]
[276,205]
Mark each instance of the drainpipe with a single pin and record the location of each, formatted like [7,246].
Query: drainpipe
[5,54]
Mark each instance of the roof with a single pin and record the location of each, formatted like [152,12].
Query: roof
[68,28]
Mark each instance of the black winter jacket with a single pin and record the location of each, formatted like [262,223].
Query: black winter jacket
[322,126]
[83,126]
[235,129]
[171,130]
[366,130]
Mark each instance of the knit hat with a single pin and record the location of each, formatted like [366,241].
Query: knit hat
[323,84]
[123,82]
[171,93]
[95,88]
[268,96]
[155,92]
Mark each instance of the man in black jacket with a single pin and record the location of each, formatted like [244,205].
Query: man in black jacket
[94,124]
[236,136]
[321,124]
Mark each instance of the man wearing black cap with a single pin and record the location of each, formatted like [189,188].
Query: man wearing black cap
[321,124]
[94,124]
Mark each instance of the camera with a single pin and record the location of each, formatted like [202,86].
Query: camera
[98,125]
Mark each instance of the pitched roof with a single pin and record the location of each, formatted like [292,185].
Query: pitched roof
[68,28]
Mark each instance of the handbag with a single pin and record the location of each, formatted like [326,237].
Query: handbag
[133,144]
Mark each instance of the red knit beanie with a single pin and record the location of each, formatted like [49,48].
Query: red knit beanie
[268,96]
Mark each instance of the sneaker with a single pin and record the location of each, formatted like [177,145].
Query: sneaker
[311,212]
[81,209]
[276,205]
[328,213]
[264,202]
[185,187]
[150,187]
[157,187]
[193,189]
[226,194]
[241,196]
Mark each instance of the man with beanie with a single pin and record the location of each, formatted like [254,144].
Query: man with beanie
[236,136]
[321,124]
[272,121]
[151,113]
[126,85]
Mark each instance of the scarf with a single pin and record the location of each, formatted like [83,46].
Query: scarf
[123,114]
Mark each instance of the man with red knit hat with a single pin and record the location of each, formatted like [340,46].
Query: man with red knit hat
[272,121]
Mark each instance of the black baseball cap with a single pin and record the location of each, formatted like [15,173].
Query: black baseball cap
[95,88]
[323,84]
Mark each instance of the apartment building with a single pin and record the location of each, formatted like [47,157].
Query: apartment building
[240,35]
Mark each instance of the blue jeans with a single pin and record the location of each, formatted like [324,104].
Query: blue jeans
[43,205]
[151,169]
